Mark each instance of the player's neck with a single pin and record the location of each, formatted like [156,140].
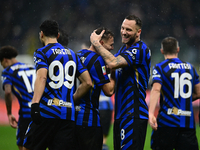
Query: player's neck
[171,56]
[92,48]
[50,40]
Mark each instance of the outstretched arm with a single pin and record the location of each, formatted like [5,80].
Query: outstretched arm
[8,99]
[112,61]
[154,97]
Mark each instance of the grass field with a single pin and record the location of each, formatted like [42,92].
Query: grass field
[8,141]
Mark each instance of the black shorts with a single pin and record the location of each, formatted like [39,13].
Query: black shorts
[21,130]
[56,134]
[88,138]
[105,117]
[130,133]
[168,138]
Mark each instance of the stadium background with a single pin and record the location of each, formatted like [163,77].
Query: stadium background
[20,20]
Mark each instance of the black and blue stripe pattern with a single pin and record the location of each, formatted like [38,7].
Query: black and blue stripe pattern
[63,67]
[132,82]
[88,113]
[22,78]
[178,79]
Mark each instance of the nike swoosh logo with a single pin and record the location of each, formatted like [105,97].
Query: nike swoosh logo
[123,145]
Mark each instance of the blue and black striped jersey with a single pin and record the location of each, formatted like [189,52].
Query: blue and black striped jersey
[22,78]
[178,79]
[63,67]
[132,82]
[87,111]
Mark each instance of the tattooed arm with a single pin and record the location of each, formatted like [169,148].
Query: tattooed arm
[111,61]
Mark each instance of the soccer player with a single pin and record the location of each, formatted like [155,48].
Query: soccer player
[132,62]
[18,79]
[52,109]
[89,133]
[176,83]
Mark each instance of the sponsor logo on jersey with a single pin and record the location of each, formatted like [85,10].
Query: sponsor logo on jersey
[83,59]
[78,108]
[58,102]
[131,54]
[178,112]
[154,74]
[104,70]
[3,79]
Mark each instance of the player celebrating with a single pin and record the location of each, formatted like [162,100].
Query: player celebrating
[52,106]
[89,133]
[132,62]
[17,78]
[176,83]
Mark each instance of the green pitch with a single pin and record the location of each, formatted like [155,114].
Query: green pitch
[8,140]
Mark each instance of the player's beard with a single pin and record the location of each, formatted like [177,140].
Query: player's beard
[132,39]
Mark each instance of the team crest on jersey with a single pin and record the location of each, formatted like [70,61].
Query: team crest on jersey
[58,102]
[104,70]
[178,112]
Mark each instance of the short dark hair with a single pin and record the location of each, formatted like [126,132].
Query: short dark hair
[137,20]
[8,52]
[50,28]
[63,38]
[107,34]
[169,45]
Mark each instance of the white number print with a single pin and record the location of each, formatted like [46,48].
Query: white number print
[179,84]
[25,75]
[122,134]
[63,74]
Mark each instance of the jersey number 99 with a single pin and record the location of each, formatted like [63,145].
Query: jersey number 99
[63,74]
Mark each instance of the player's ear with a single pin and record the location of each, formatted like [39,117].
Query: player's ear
[178,49]
[101,42]
[41,34]
[58,35]
[161,50]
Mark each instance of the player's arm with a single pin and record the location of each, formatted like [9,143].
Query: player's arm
[84,87]
[108,88]
[39,86]
[8,99]
[154,97]
[196,94]
[111,61]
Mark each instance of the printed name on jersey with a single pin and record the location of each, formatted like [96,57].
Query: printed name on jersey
[58,102]
[178,112]
[78,108]
[61,51]
[179,66]
[20,67]
[104,70]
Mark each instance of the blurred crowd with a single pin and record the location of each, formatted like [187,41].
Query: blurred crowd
[20,20]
